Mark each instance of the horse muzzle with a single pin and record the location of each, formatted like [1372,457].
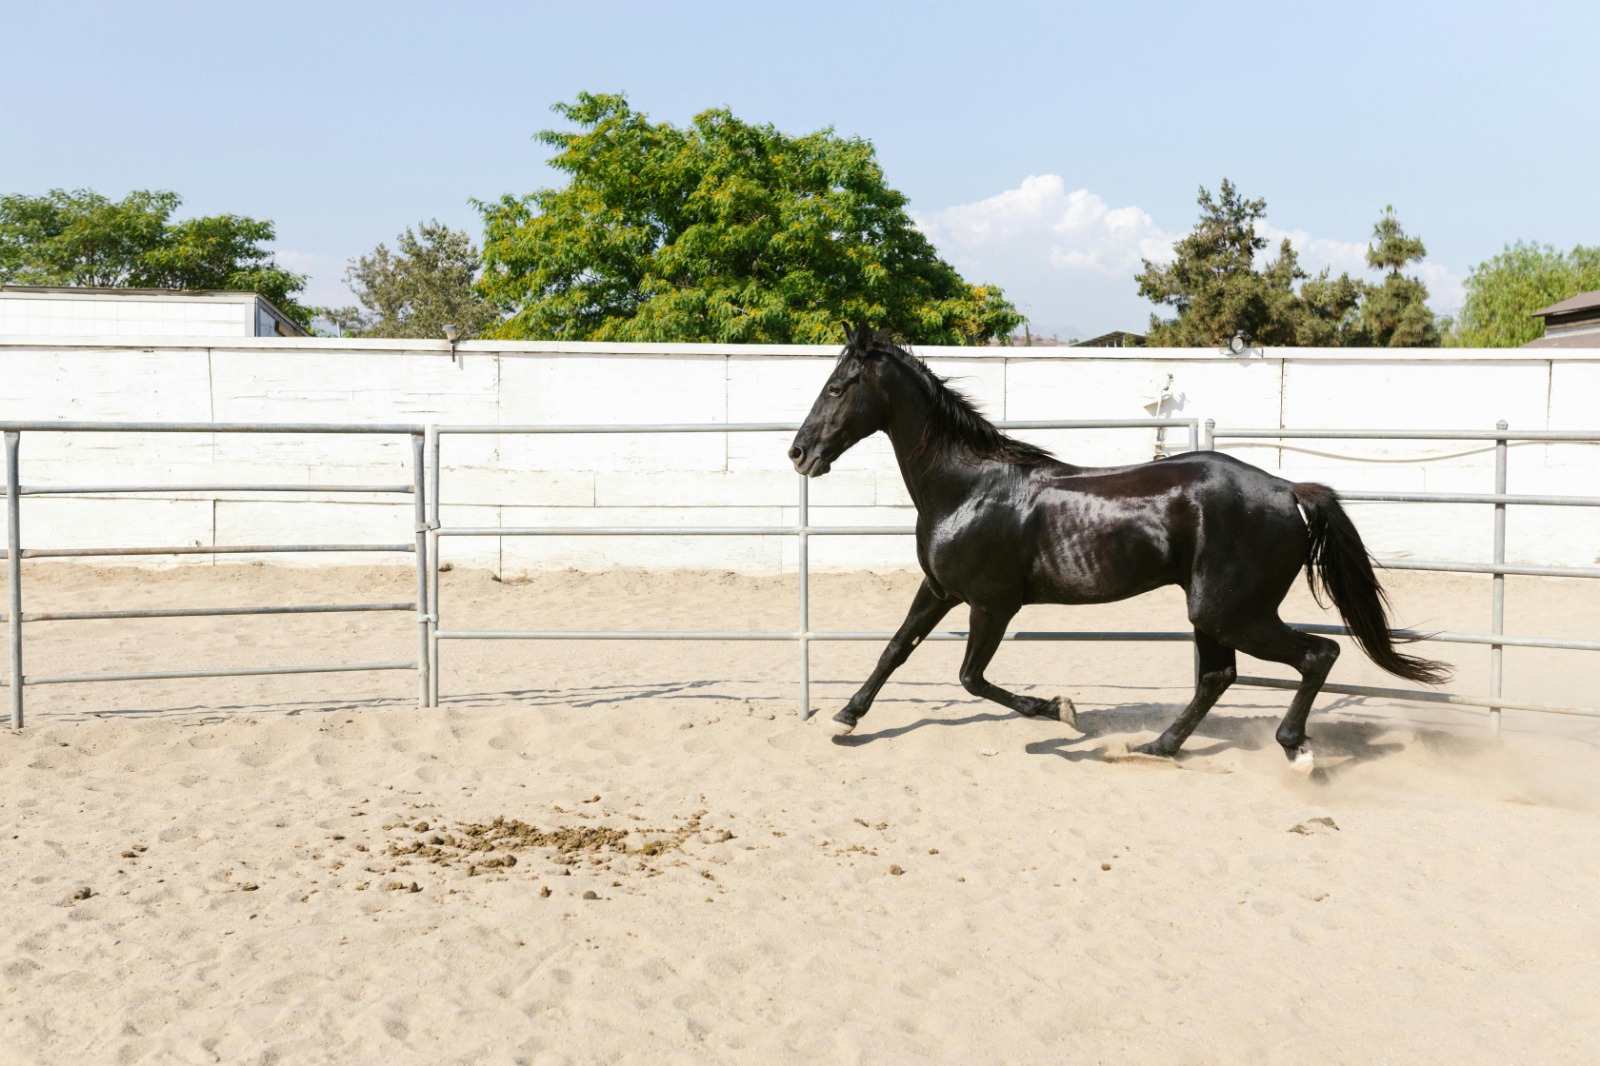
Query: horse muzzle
[809,461]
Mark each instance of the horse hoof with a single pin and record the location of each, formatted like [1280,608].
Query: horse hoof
[1065,712]
[1152,749]
[1301,759]
[841,725]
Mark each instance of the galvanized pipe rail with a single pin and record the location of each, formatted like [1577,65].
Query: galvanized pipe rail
[1500,499]
[124,490]
[802,530]
[429,529]
[15,617]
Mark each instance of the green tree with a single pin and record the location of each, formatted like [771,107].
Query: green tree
[416,290]
[1394,313]
[1214,285]
[720,231]
[83,238]
[1503,293]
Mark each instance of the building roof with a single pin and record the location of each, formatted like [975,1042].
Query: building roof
[109,290]
[1117,338]
[1584,301]
[1590,339]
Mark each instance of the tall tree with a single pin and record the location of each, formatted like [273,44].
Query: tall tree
[1503,293]
[416,290]
[1394,313]
[721,231]
[84,238]
[1216,289]
[1213,284]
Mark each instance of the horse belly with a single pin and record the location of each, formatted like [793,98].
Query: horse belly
[1111,561]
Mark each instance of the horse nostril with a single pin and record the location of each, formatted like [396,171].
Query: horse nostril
[795,452]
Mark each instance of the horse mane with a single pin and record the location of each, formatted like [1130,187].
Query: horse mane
[954,424]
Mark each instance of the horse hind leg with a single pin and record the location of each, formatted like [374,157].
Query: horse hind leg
[1214,672]
[1313,657]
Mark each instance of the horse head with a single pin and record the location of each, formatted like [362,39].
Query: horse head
[852,405]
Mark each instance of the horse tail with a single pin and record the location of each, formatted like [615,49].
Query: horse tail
[1337,563]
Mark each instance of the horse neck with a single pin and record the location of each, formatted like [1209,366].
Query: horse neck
[936,481]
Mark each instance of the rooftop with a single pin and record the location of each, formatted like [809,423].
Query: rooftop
[1584,301]
[1589,339]
[99,290]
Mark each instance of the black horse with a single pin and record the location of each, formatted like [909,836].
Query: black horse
[1001,523]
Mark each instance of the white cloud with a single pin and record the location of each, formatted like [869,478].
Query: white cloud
[1041,223]
[1070,256]
[1447,290]
[1065,258]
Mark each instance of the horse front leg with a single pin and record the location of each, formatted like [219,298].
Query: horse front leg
[988,629]
[927,608]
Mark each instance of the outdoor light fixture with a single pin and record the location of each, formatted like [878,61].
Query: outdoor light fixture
[1239,341]
[452,334]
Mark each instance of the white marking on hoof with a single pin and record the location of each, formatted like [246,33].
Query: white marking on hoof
[840,729]
[1068,712]
[1303,762]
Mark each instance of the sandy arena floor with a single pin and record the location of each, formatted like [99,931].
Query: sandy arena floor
[615,852]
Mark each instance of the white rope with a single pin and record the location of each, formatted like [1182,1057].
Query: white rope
[1401,459]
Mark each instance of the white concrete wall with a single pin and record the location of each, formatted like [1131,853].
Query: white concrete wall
[738,479]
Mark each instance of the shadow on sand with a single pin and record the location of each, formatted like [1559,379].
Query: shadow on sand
[1341,744]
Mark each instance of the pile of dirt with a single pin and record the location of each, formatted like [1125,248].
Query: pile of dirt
[484,846]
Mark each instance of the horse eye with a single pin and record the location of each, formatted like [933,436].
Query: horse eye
[835,389]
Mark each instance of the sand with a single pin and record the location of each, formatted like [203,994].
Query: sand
[636,852]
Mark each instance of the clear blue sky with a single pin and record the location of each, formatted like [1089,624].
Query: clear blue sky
[345,122]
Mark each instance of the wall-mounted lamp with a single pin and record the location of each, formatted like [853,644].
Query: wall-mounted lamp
[1238,344]
[452,335]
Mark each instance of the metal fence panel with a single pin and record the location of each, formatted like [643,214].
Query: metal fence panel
[428,529]
[803,531]
[1496,640]
[16,619]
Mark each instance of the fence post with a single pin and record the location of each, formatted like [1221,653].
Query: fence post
[431,435]
[419,486]
[805,597]
[1208,441]
[14,571]
[1498,610]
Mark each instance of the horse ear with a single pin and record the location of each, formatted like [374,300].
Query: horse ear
[862,338]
